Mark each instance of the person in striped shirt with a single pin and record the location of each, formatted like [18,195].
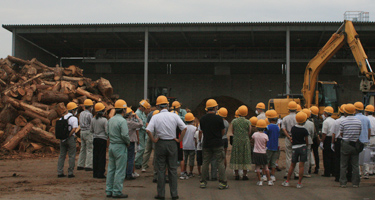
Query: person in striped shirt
[350,129]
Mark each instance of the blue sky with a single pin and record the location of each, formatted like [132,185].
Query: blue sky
[128,11]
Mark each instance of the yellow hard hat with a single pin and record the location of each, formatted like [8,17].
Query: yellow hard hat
[189,117]
[88,102]
[358,105]
[161,100]
[253,121]
[211,103]
[176,104]
[222,112]
[341,109]
[99,107]
[242,110]
[314,110]
[271,114]
[328,109]
[144,104]
[120,104]
[292,105]
[71,106]
[307,112]
[369,108]
[261,105]
[128,110]
[301,117]
[155,112]
[261,123]
[349,108]
[267,121]
[299,108]
[236,114]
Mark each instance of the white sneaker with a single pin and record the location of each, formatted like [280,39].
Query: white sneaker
[299,186]
[264,178]
[184,176]
[270,183]
[273,178]
[143,170]
[260,183]
[135,174]
[286,184]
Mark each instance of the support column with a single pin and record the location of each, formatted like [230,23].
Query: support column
[14,42]
[146,65]
[287,61]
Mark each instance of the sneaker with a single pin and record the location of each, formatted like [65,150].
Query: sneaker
[135,174]
[264,178]
[355,186]
[203,185]
[184,176]
[307,176]
[286,184]
[143,170]
[260,183]
[270,183]
[223,186]
[343,186]
[299,186]
[190,175]
[273,178]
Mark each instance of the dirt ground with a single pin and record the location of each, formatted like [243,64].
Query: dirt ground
[36,178]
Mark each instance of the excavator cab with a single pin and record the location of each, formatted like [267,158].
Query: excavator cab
[326,95]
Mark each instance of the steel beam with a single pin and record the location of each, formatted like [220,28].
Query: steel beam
[287,61]
[146,66]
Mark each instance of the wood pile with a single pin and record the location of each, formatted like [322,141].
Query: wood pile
[33,98]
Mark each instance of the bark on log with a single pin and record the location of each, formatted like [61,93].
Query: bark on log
[35,62]
[67,87]
[2,134]
[21,91]
[16,139]
[8,114]
[29,94]
[81,99]
[41,75]
[88,94]
[73,70]
[53,96]
[76,79]
[32,147]
[25,106]
[33,115]
[42,87]
[56,87]
[60,109]
[18,60]
[41,106]
[20,121]
[59,71]
[105,87]
[44,137]
[24,144]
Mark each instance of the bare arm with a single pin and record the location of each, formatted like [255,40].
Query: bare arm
[286,134]
[152,137]
[182,135]
[369,133]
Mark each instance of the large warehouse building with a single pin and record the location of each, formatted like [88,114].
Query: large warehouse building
[195,61]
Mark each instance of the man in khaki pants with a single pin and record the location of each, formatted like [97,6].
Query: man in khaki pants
[287,124]
[86,153]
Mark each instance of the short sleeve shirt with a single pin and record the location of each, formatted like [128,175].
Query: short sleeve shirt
[73,121]
[327,124]
[273,132]
[164,125]
[212,126]
[260,140]
[365,126]
[288,122]
[298,136]
[372,122]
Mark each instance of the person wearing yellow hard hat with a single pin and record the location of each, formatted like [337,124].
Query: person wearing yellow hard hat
[370,114]
[164,126]
[259,110]
[223,112]
[86,151]
[286,126]
[326,140]
[273,151]
[309,125]
[68,144]
[365,132]
[141,113]
[316,138]
[176,105]
[299,145]
[98,128]
[212,127]
[189,145]
[119,141]
[241,150]
[336,142]
[350,130]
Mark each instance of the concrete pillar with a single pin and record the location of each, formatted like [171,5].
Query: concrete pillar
[14,42]
[287,61]
[146,66]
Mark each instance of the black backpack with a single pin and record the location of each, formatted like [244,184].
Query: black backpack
[62,128]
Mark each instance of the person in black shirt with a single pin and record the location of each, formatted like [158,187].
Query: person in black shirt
[212,128]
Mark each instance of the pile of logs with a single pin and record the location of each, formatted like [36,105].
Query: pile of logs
[33,98]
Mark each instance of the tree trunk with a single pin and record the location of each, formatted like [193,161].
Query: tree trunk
[105,87]
[25,106]
[36,63]
[52,97]
[8,114]
[20,121]
[16,139]
[33,115]
[41,106]
[44,137]
[18,60]
[88,94]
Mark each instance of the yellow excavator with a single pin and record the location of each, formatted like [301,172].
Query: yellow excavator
[324,93]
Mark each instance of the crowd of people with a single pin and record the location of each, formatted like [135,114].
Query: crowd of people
[178,138]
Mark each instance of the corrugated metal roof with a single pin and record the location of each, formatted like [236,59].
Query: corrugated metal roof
[296,23]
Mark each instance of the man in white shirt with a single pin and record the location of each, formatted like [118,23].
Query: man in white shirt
[369,168]
[164,126]
[325,142]
[260,108]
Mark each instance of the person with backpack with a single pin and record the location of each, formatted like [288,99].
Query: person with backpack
[65,131]
[85,154]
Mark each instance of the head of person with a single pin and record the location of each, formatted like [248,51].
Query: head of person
[99,109]
[299,108]
[359,107]
[72,108]
[260,108]
[261,125]
[301,118]
[292,106]
[144,105]
[314,111]
[341,110]
[327,112]
[349,109]
[369,110]
[88,104]
[253,121]
[189,118]
[222,112]
[176,106]
[120,107]
[272,116]
[162,102]
[211,105]
[128,113]
[243,111]
[307,112]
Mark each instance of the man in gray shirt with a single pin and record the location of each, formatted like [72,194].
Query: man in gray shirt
[85,155]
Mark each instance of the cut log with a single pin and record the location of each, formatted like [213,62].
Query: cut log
[67,87]
[52,130]
[2,136]
[56,87]
[36,63]
[24,144]
[41,106]
[41,75]
[44,137]
[18,104]
[33,115]
[32,147]
[76,79]
[81,99]
[60,109]
[88,94]
[20,121]
[42,87]
[18,60]
[16,139]
[29,94]
[73,70]
[8,114]
[105,87]
[53,96]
